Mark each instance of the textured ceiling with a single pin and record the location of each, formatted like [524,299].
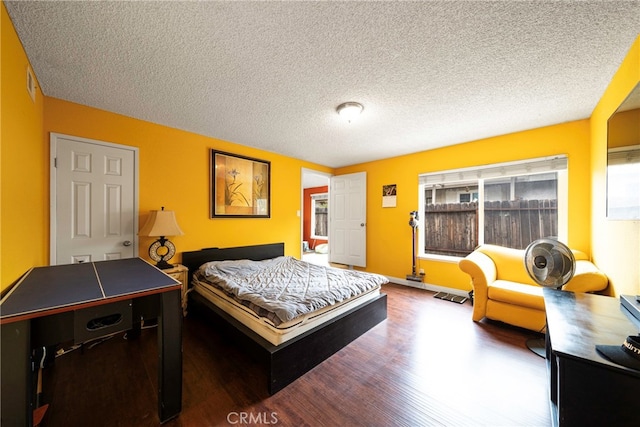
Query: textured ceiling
[270,74]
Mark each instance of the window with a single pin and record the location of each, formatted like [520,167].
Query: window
[507,204]
[319,216]
[623,176]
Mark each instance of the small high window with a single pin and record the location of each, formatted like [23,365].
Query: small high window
[320,216]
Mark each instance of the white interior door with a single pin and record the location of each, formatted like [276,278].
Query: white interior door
[93,200]
[348,219]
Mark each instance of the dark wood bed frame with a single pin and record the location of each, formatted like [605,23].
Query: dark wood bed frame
[291,359]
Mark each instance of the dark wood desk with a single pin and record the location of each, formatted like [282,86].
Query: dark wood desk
[585,388]
[57,304]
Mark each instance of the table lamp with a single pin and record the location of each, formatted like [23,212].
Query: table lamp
[161,224]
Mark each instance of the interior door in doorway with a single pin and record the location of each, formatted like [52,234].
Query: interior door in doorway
[348,219]
[93,200]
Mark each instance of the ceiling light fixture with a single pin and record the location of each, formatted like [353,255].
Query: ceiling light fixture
[349,110]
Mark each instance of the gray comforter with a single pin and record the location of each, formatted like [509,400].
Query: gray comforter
[286,287]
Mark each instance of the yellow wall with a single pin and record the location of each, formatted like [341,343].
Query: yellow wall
[616,244]
[388,232]
[23,158]
[174,173]
[624,129]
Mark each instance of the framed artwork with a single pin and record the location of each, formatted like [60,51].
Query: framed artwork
[389,195]
[240,186]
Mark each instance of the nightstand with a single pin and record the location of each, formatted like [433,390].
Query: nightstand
[180,272]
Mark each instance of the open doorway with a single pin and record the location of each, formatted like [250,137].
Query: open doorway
[315,216]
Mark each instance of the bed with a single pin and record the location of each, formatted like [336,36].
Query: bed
[287,352]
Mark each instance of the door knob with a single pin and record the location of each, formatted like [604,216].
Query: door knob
[362,224]
[127,243]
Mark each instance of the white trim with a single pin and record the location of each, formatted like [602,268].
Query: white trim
[563,205]
[312,213]
[451,259]
[324,196]
[520,167]
[95,271]
[301,212]
[53,138]
[481,196]
[428,286]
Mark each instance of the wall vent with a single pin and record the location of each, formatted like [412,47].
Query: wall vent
[31,84]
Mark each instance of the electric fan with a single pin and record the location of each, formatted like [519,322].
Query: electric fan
[549,263]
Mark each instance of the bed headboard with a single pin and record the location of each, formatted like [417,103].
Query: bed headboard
[194,259]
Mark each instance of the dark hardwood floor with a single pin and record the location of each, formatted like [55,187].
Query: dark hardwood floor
[427,364]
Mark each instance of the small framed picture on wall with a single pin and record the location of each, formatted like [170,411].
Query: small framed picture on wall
[389,196]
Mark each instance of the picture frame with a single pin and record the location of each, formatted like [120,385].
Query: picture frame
[389,195]
[240,186]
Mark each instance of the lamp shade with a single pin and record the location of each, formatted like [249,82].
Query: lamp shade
[161,223]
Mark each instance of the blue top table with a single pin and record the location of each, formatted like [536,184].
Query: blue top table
[53,304]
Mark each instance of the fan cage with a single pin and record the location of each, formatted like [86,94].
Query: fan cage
[549,262]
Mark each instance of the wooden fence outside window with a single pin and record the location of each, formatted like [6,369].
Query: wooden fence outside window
[452,228]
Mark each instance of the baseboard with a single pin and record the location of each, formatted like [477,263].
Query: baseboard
[428,286]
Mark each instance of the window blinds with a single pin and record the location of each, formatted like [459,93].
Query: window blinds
[625,155]
[525,167]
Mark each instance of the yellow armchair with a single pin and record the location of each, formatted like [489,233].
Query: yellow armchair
[502,289]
